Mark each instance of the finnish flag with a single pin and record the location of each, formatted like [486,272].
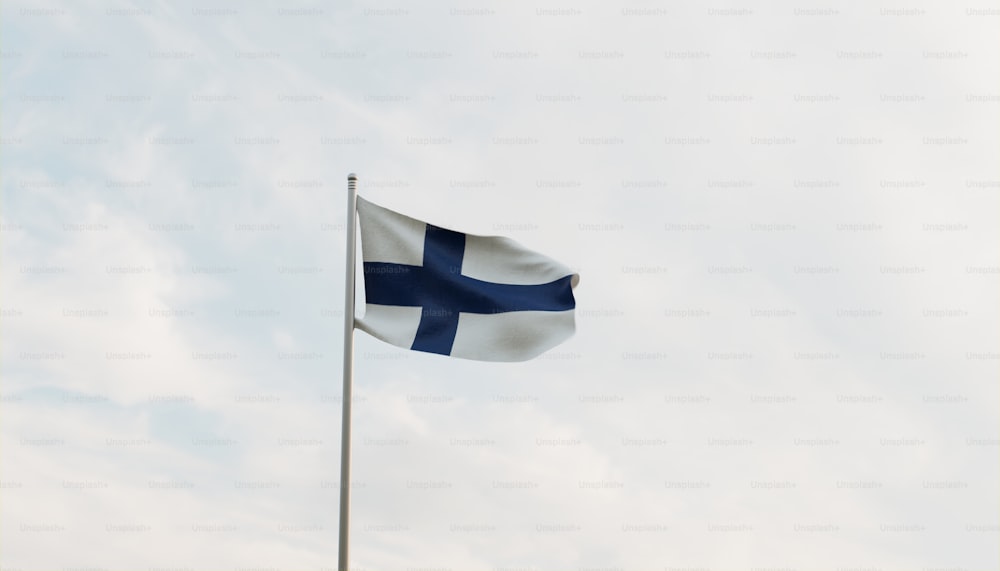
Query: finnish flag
[485,298]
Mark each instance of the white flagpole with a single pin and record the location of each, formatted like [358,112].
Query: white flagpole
[345,430]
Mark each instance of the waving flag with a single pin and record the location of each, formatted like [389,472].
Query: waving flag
[436,290]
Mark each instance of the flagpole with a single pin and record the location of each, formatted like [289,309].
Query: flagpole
[345,429]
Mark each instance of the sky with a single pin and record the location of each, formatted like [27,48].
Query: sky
[783,216]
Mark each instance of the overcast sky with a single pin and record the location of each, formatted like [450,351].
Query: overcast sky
[784,218]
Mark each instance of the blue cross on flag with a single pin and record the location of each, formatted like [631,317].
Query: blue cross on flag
[485,298]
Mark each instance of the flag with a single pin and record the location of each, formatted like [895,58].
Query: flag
[485,298]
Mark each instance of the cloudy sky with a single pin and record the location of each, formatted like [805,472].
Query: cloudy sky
[784,217]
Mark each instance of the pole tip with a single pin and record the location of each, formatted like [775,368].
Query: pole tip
[352,176]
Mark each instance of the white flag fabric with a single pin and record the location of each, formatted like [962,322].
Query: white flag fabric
[485,298]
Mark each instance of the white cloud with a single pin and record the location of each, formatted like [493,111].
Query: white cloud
[787,315]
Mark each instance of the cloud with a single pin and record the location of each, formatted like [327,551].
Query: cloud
[786,324]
